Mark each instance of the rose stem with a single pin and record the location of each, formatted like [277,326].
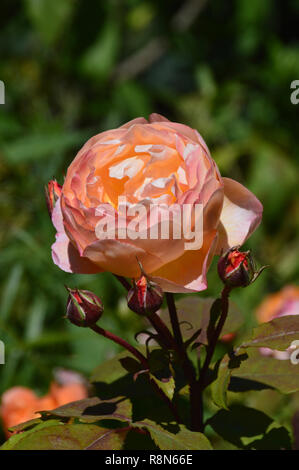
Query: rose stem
[123,281]
[162,330]
[174,320]
[133,350]
[116,339]
[211,347]
[189,371]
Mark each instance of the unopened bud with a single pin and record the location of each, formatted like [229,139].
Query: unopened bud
[53,192]
[83,308]
[145,297]
[236,268]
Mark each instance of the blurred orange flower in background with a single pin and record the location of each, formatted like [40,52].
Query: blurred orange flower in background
[282,303]
[20,404]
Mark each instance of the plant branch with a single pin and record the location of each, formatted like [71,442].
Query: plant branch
[123,281]
[142,359]
[164,333]
[211,348]
[174,320]
[116,339]
[188,368]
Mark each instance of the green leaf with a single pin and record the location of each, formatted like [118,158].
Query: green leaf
[49,16]
[279,374]
[276,334]
[112,380]
[161,371]
[94,409]
[277,438]
[68,437]
[111,370]
[113,439]
[248,428]
[26,425]
[220,385]
[167,385]
[194,314]
[10,291]
[224,371]
[177,437]
[99,60]
[13,441]
[38,146]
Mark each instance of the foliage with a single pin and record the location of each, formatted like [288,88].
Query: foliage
[125,404]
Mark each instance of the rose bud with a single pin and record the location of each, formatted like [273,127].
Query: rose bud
[84,308]
[236,268]
[145,297]
[53,192]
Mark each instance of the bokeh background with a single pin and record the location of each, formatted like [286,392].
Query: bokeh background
[73,68]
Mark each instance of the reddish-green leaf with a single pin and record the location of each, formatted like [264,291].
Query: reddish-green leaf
[220,385]
[111,370]
[69,437]
[94,409]
[247,428]
[176,438]
[280,374]
[276,334]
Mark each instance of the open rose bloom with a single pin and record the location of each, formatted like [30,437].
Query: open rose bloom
[151,162]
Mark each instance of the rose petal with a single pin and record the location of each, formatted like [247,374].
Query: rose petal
[155,117]
[64,254]
[67,258]
[113,255]
[188,273]
[140,120]
[241,214]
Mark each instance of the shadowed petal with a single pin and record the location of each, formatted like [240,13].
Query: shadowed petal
[188,272]
[241,215]
[64,254]
[67,258]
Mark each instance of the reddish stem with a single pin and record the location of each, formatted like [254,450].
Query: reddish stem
[116,339]
[211,349]
[123,281]
[164,334]
[188,368]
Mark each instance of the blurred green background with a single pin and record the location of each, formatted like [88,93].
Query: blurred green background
[73,68]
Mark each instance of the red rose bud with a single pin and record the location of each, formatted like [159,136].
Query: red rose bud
[145,297]
[53,192]
[236,268]
[83,308]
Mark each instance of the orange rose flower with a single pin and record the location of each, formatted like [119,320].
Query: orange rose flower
[20,404]
[151,162]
